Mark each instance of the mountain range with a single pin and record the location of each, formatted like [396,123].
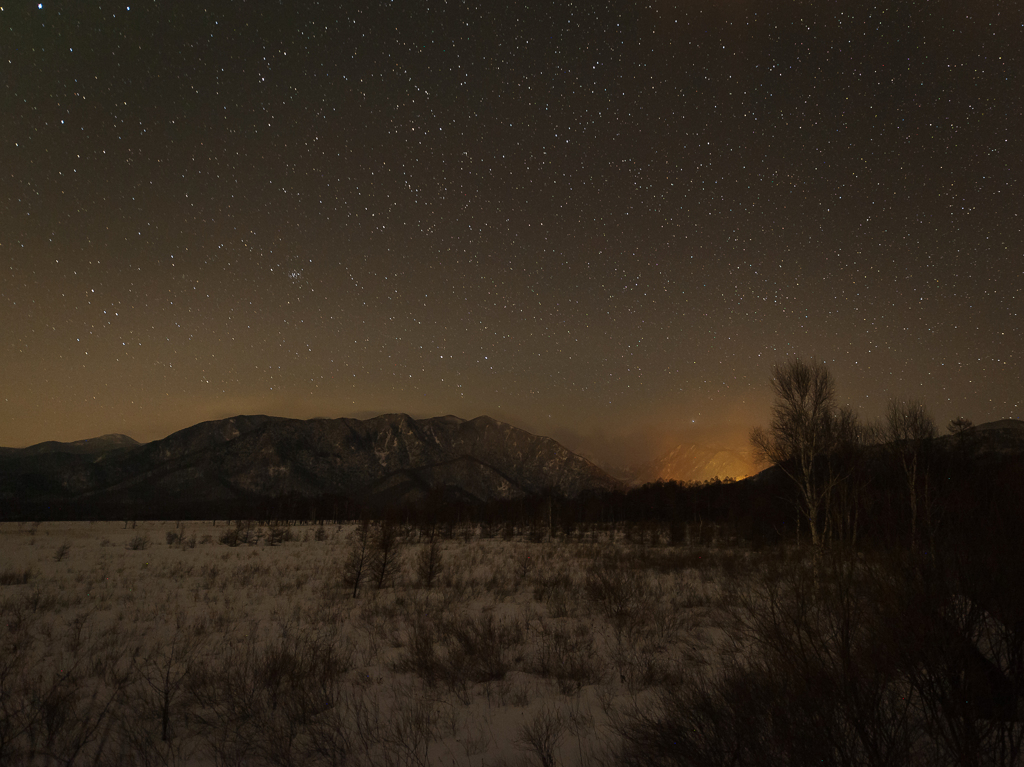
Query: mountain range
[387,460]
[390,459]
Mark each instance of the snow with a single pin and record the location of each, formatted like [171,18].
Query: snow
[563,637]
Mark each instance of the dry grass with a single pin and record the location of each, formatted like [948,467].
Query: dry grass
[244,645]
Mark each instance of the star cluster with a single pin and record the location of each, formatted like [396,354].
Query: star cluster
[590,219]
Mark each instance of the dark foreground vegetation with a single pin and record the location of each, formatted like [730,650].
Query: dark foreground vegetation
[376,644]
[861,603]
[901,640]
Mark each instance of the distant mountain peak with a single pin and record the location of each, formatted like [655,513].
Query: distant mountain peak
[449,419]
[1004,423]
[92,446]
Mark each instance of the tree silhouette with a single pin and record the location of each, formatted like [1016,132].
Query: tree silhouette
[908,431]
[806,438]
[959,427]
[359,558]
[385,561]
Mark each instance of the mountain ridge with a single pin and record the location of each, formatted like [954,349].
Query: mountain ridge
[91,446]
[259,456]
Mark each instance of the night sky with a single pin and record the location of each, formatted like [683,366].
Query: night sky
[598,221]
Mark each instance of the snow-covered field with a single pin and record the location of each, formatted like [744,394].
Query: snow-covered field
[159,644]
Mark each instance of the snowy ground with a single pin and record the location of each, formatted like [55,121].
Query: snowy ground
[196,652]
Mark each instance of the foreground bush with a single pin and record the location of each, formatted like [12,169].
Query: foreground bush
[847,663]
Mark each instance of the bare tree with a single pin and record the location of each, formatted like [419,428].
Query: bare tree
[429,563]
[360,554]
[806,438]
[959,427]
[161,677]
[908,430]
[385,561]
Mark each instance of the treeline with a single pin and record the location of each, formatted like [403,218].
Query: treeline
[444,511]
[956,494]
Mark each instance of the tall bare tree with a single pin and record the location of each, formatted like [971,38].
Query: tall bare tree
[385,562]
[359,558]
[807,437]
[909,430]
